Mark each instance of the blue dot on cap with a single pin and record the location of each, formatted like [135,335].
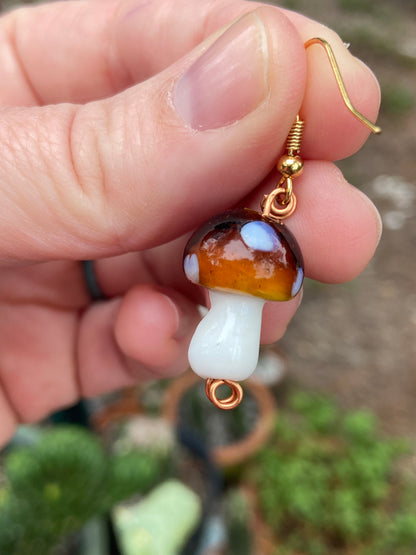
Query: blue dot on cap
[297,284]
[191,267]
[260,236]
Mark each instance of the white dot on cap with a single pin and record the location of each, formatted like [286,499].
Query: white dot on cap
[297,284]
[260,236]
[191,267]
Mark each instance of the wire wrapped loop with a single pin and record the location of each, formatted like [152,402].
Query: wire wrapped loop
[230,402]
[274,209]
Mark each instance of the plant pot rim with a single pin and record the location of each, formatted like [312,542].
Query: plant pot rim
[242,449]
[127,405]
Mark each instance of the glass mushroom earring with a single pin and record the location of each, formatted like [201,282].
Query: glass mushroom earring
[245,258]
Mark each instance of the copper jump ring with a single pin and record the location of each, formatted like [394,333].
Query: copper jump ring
[272,208]
[230,402]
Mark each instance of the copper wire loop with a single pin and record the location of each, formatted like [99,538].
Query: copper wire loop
[230,402]
[274,209]
[289,191]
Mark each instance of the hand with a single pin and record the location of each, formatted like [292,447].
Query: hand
[120,132]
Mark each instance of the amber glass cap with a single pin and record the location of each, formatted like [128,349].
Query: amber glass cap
[241,251]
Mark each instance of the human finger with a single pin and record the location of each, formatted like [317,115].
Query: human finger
[138,169]
[37,363]
[51,357]
[336,225]
[79,51]
[142,336]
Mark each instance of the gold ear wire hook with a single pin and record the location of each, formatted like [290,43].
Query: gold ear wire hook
[335,68]
[281,202]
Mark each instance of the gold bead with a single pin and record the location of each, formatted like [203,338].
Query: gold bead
[290,166]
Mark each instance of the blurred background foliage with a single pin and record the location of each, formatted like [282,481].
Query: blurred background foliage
[327,482]
[54,487]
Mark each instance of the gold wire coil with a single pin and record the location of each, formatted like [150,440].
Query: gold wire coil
[230,402]
[294,139]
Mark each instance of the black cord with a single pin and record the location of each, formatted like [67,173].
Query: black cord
[91,281]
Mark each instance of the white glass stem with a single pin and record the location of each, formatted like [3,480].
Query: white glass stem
[227,340]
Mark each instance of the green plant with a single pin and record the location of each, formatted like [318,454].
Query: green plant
[237,516]
[366,6]
[327,482]
[397,100]
[55,487]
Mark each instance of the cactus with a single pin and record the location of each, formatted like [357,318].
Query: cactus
[55,487]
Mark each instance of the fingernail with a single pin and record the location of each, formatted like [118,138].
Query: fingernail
[229,80]
[176,316]
[379,222]
[374,213]
[181,321]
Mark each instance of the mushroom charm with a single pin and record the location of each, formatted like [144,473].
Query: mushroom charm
[243,259]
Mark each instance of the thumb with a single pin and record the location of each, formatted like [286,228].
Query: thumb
[135,170]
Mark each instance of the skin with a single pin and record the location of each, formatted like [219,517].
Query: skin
[97,163]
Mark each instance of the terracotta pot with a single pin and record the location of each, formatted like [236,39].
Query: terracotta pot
[128,404]
[264,539]
[238,451]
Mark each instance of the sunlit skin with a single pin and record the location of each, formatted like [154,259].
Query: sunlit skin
[97,163]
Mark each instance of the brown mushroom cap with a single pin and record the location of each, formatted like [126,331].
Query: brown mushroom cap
[242,251]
